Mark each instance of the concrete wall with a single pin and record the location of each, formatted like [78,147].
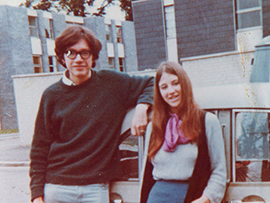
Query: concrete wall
[219,69]
[15,58]
[28,91]
[130,40]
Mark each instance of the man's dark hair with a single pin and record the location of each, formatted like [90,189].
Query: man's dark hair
[70,36]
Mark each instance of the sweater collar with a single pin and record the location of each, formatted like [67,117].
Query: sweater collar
[66,80]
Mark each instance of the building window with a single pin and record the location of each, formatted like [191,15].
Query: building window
[170,30]
[248,13]
[119,34]
[170,21]
[37,64]
[33,26]
[122,64]
[49,29]
[111,62]
[52,64]
[108,33]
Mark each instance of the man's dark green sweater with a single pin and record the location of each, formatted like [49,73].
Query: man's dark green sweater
[78,127]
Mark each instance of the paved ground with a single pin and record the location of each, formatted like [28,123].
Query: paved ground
[12,150]
[14,167]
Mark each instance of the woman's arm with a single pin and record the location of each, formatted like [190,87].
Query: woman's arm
[216,186]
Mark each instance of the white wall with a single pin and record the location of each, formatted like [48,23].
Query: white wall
[219,69]
[28,90]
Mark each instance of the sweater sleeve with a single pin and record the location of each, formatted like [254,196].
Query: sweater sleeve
[41,143]
[216,186]
[140,90]
[133,89]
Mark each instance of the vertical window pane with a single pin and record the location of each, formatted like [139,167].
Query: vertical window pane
[170,22]
[248,13]
[244,4]
[50,60]
[111,63]
[36,60]
[37,64]
[249,19]
[122,64]
[49,28]
[52,64]
[33,26]
[108,32]
[119,34]
[32,21]
[37,70]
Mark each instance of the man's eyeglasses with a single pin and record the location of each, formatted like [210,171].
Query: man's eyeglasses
[72,54]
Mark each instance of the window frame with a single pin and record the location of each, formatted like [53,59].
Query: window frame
[49,33]
[33,29]
[122,64]
[234,142]
[108,31]
[246,11]
[169,31]
[111,65]
[53,65]
[119,34]
[37,66]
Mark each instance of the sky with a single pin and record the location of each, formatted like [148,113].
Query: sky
[113,11]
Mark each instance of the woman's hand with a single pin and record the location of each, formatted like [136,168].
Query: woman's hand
[202,199]
[38,200]
[140,120]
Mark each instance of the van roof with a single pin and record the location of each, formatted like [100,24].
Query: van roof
[251,95]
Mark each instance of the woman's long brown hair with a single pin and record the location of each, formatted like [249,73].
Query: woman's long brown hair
[188,110]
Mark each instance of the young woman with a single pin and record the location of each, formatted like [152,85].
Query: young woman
[185,160]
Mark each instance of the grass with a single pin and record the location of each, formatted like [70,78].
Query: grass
[9,131]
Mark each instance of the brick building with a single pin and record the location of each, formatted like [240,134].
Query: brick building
[214,40]
[27,47]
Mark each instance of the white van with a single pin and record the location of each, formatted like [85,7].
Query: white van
[244,114]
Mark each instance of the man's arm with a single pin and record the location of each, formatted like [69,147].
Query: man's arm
[140,119]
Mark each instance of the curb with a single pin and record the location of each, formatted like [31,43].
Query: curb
[14,164]
[9,136]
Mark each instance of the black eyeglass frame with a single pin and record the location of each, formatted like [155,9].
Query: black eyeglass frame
[72,54]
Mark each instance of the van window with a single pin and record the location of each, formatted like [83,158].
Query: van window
[251,149]
[129,158]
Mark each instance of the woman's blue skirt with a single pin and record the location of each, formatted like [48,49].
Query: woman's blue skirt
[168,192]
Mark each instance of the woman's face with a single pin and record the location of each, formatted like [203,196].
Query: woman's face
[170,90]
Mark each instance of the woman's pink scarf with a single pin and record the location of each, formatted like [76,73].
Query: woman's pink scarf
[174,134]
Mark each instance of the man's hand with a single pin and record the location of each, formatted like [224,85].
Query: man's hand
[140,120]
[38,200]
[202,199]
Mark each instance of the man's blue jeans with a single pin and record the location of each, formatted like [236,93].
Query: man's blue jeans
[94,193]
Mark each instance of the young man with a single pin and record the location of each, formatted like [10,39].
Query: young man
[74,150]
